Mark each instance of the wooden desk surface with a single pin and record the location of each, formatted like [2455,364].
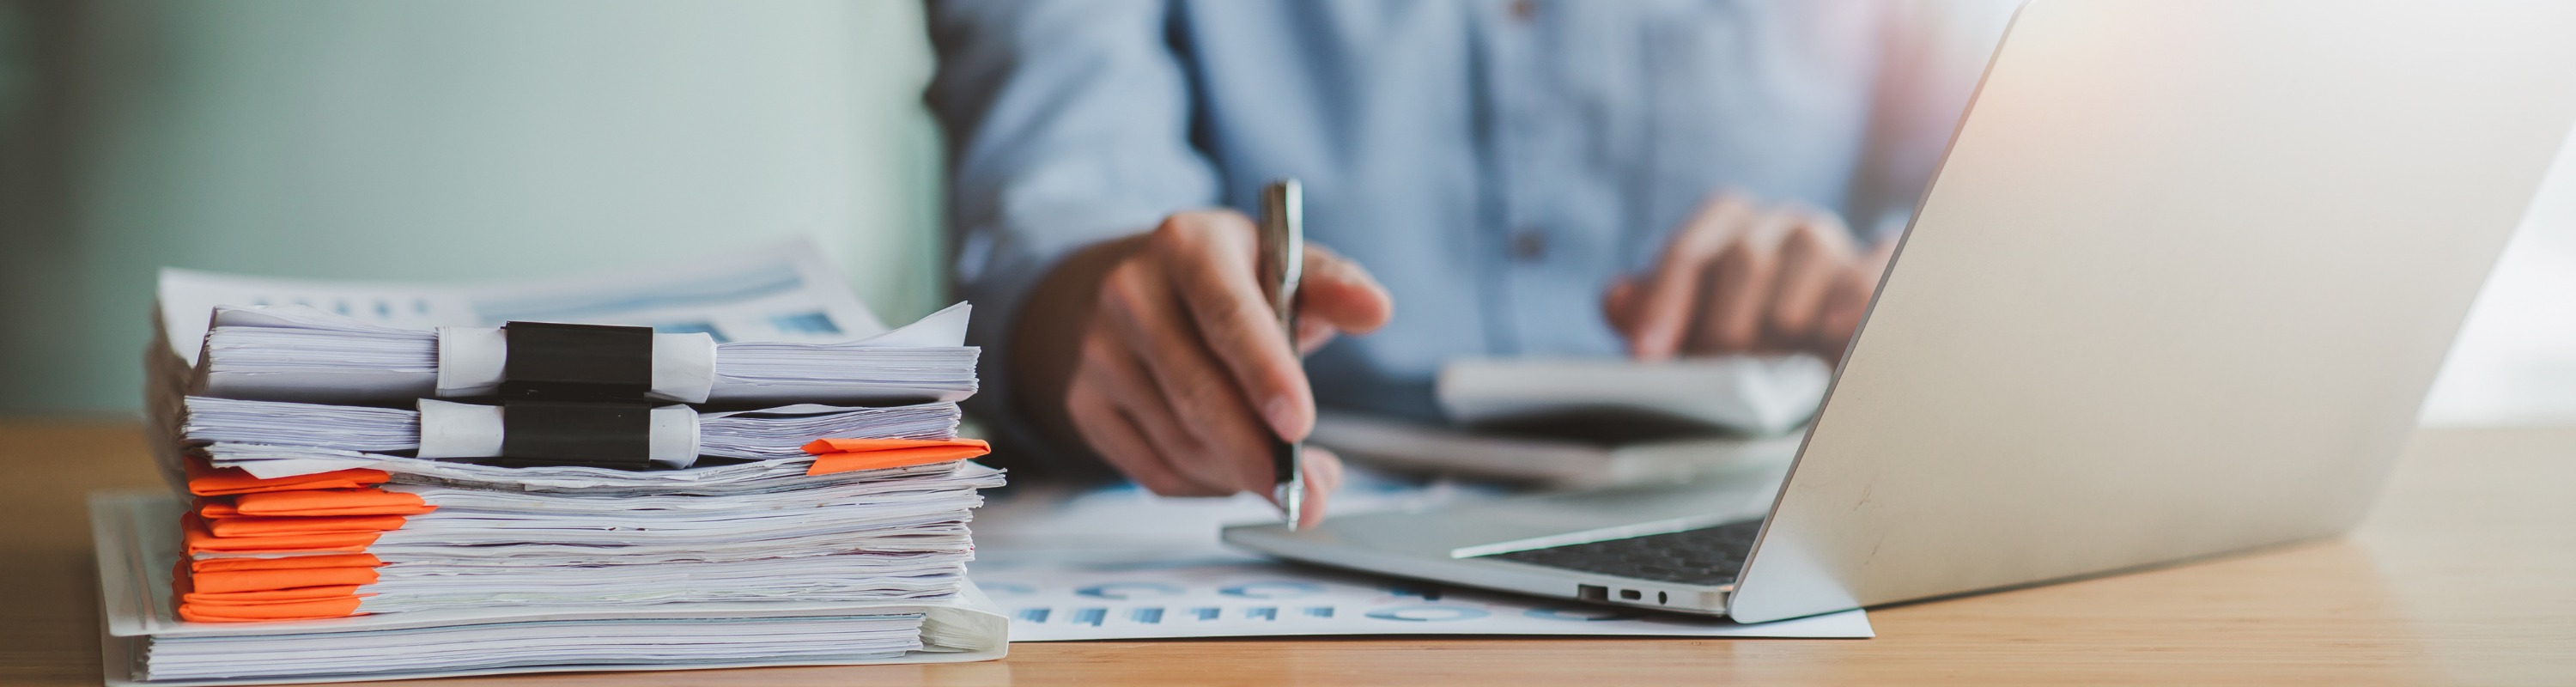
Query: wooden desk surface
[2466,574]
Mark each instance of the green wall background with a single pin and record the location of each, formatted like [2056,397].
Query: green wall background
[440,139]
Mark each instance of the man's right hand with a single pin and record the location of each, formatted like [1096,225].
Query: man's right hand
[1160,353]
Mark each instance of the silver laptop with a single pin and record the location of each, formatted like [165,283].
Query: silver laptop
[2177,290]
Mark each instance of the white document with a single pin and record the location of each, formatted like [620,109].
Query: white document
[1122,564]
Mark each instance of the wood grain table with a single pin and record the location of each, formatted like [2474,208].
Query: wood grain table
[2465,574]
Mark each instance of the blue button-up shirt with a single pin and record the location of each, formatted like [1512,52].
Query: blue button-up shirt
[1495,163]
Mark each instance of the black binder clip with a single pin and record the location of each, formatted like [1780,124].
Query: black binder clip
[606,434]
[564,362]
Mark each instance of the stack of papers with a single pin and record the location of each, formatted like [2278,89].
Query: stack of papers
[544,523]
[356,541]
[783,295]
[147,645]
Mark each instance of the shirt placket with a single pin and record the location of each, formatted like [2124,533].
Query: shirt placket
[1537,292]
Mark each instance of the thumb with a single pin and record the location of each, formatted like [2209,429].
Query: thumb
[1340,293]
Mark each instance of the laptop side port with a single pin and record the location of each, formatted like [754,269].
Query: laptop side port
[1591,592]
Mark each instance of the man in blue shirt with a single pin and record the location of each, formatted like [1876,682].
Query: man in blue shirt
[1523,177]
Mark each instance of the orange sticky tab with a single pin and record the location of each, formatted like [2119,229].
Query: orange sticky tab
[328,560]
[205,479]
[877,460]
[217,507]
[302,610]
[265,580]
[200,540]
[274,596]
[328,524]
[830,446]
[331,502]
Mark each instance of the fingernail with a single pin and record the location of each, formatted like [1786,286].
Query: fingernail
[1281,415]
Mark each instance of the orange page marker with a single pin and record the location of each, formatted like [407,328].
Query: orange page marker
[845,455]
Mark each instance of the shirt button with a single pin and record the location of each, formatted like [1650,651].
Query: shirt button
[1529,245]
[1523,10]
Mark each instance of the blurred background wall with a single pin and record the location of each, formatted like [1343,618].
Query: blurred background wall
[438,139]
[465,139]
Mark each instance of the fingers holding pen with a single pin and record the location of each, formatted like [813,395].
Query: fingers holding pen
[1109,421]
[1185,379]
[1203,415]
[1323,476]
[1211,256]
[1337,295]
[1341,293]
[1323,470]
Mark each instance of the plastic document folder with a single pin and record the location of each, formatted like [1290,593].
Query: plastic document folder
[145,642]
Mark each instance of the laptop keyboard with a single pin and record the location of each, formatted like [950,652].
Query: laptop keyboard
[1705,556]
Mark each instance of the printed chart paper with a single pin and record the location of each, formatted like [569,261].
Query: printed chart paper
[1251,597]
[1121,564]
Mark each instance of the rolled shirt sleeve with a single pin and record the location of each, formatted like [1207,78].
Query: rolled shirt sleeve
[1069,121]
